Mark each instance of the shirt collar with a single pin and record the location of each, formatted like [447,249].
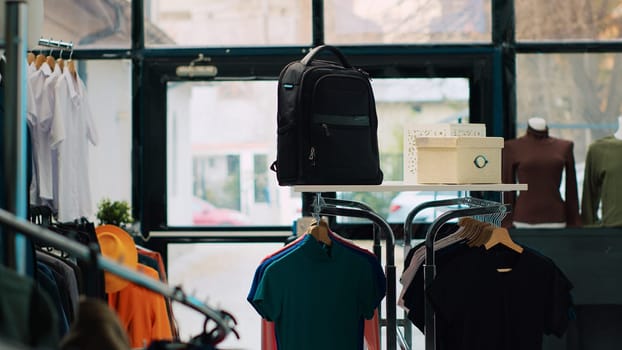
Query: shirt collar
[538,134]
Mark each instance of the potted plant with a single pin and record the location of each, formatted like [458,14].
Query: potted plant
[117,213]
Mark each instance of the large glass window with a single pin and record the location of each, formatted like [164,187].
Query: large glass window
[399,104]
[562,20]
[108,83]
[90,24]
[193,23]
[577,94]
[222,139]
[396,21]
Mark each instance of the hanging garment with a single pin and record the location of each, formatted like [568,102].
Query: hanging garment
[159,266]
[66,279]
[334,287]
[371,326]
[96,327]
[479,307]
[41,106]
[142,312]
[72,129]
[47,281]
[27,314]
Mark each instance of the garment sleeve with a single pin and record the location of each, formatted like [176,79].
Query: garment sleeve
[508,176]
[57,128]
[371,297]
[443,296]
[267,298]
[560,305]
[573,218]
[591,188]
[91,128]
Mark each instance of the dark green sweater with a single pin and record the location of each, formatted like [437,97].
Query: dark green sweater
[602,184]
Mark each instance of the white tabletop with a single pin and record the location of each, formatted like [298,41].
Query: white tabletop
[395,186]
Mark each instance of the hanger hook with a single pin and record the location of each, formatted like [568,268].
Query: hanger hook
[60,47]
[51,47]
[71,52]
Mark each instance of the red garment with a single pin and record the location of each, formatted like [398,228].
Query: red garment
[142,312]
[539,161]
[372,334]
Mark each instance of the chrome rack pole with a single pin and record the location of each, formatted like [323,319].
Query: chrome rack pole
[389,266]
[14,157]
[430,267]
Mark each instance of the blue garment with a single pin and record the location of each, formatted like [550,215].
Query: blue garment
[310,288]
[45,278]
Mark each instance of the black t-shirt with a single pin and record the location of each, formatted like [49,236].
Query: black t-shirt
[478,307]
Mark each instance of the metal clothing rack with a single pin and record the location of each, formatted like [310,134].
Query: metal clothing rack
[475,207]
[338,207]
[225,323]
[56,43]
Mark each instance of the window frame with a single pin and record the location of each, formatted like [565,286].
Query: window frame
[490,68]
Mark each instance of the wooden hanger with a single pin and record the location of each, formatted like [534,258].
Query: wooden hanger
[39,60]
[500,235]
[51,61]
[473,231]
[319,231]
[483,235]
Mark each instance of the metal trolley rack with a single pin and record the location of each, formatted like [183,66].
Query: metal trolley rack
[338,207]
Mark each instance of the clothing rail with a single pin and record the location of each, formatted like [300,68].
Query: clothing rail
[56,43]
[225,323]
[475,207]
[336,208]
[354,204]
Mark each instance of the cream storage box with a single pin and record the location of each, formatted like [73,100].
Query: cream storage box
[459,160]
[414,130]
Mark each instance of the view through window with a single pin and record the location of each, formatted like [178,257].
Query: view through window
[222,139]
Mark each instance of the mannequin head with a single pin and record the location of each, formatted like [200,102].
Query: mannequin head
[35,21]
[537,123]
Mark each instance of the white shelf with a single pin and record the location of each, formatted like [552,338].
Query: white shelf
[393,186]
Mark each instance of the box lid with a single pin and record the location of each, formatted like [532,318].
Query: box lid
[459,141]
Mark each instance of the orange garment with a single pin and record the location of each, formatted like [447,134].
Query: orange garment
[372,334]
[162,275]
[142,312]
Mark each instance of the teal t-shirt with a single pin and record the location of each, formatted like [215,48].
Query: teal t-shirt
[318,298]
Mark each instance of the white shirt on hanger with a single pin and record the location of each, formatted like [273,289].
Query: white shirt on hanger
[41,182]
[48,161]
[72,129]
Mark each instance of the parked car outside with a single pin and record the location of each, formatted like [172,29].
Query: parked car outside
[205,213]
[402,204]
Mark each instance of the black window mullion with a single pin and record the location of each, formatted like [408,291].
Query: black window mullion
[317,21]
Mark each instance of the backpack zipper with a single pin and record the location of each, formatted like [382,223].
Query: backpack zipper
[312,156]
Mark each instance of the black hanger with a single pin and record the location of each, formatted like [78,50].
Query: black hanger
[216,334]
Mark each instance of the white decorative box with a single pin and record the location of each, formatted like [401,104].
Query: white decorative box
[459,160]
[411,131]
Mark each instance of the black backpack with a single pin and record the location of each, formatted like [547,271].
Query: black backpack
[327,124]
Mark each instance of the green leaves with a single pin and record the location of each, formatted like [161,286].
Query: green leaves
[116,213]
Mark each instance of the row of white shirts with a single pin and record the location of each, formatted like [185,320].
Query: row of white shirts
[61,126]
